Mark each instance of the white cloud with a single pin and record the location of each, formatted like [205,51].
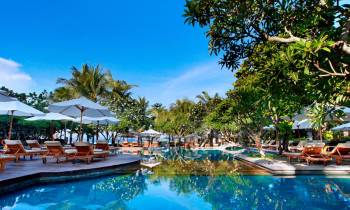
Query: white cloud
[190,83]
[12,77]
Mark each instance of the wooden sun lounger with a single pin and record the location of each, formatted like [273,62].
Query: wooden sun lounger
[340,152]
[56,150]
[134,144]
[15,147]
[125,144]
[86,152]
[312,152]
[103,145]
[298,147]
[4,159]
[34,145]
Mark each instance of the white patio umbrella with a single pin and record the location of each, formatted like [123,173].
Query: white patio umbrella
[5,98]
[151,132]
[17,108]
[53,117]
[80,107]
[302,124]
[343,127]
[98,121]
[269,128]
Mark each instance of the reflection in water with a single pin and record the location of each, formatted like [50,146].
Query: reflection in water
[187,192]
[104,193]
[189,180]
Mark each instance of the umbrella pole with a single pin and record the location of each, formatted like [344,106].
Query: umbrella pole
[81,124]
[97,130]
[11,122]
[65,130]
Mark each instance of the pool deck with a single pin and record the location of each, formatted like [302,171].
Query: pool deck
[29,172]
[282,167]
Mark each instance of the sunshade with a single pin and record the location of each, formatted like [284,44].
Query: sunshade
[52,117]
[17,108]
[4,97]
[98,121]
[80,107]
[269,128]
[151,132]
[302,124]
[343,127]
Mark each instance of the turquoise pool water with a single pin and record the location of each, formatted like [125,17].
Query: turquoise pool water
[186,192]
[187,154]
[193,180]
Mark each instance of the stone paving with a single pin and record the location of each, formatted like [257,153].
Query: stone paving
[283,167]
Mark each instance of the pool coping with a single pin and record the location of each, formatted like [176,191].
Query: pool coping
[46,177]
[281,168]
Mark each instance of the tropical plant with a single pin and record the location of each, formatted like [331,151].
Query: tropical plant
[89,81]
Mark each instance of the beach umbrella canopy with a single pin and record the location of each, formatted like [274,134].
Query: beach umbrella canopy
[80,107]
[51,116]
[17,108]
[5,98]
[269,128]
[151,132]
[343,127]
[302,124]
[98,121]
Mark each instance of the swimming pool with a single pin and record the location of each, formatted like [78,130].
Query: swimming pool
[186,192]
[189,180]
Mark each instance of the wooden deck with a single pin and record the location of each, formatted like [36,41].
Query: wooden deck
[30,172]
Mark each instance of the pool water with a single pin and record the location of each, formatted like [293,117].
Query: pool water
[187,154]
[186,192]
[188,180]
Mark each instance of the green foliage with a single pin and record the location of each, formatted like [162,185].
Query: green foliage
[39,101]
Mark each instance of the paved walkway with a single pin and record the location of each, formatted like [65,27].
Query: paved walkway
[282,167]
[32,167]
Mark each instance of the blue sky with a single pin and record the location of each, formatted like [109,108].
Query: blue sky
[143,42]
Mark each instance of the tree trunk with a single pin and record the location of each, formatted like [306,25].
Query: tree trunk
[285,142]
[113,138]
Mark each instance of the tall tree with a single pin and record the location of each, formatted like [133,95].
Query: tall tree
[89,81]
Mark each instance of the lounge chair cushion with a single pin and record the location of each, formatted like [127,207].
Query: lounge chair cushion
[70,151]
[32,141]
[101,152]
[98,150]
[53,143]
[77,144]
[13,142]
[32,151]
[101,142]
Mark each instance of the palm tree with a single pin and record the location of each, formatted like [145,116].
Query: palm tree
[89,81]
[209,102]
